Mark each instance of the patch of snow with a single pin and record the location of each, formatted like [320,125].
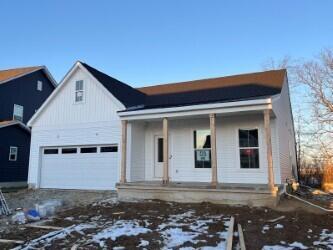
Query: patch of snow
[265,229]
[221,246]
[291,246]
[276,247]
[278,226]
[120,228]
[69,218]
[174,237]
[298,245]
[325,239]
[143,243]
[309,230]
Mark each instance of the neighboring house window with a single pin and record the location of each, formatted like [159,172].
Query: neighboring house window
[18,113]
[202,149]
[248,148]
[39,85]
[13,153]
[79,92]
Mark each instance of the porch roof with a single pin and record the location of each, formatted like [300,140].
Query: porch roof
[236,107]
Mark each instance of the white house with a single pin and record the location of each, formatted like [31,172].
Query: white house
[228,138]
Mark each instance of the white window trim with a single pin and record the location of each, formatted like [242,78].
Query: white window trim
[260,169]
[17,105]
[76,91]
[10,153]
[39,85]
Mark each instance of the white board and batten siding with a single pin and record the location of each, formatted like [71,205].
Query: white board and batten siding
[66,123]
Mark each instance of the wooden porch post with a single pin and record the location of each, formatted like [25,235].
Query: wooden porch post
[165,151]
[269,149]
[123,150]
[212,118]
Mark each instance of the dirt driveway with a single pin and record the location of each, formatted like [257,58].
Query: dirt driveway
[109,224]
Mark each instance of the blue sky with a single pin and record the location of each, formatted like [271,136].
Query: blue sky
[147,42]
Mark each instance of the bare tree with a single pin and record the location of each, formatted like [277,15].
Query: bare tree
[317,76]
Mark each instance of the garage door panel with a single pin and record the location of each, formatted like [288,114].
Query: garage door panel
[80,171]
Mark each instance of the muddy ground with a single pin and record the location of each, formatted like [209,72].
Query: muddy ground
[297,225]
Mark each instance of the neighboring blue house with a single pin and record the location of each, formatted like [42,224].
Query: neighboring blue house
[22,92]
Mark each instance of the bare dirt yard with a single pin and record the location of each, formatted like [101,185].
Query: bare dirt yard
[98,221]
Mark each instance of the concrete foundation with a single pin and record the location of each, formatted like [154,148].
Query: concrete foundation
[13,184]
[231,195]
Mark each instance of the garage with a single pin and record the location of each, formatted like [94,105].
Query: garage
[80,167]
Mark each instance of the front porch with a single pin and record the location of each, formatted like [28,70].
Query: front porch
[195,192]
[196,157]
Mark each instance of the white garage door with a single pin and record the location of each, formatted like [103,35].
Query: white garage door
[80,167]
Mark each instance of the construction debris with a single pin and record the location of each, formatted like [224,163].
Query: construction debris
[230,233]
[43,227]
[4,209]
[241,237]
[11,241]
[276,219]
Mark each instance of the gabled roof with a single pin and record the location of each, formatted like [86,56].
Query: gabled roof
[4,124]
[272,78]
[11,74]
[124,93]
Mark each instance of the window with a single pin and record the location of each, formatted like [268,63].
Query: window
[18,113]
[39,85]
[248,148]
[89,150]
[109,149]
[202,149]
[160,150]
[50,151]
[69,150]
[13,153]
[79,91]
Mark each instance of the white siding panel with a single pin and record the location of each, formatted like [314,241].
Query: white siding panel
[137,151]
[285,134]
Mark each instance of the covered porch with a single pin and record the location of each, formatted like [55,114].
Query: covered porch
[198,155]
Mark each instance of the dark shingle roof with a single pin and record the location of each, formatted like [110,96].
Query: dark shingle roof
[216,90]
[124,93]
[218,95]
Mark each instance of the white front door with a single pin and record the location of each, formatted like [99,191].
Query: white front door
[158,156]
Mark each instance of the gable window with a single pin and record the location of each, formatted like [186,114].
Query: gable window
[39,85]
[202,149]
[248,148]
[79,91]
[12,153]
[18,113]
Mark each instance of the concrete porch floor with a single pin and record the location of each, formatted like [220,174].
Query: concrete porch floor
[196,192]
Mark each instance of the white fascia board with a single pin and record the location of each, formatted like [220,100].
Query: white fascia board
[218,108]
